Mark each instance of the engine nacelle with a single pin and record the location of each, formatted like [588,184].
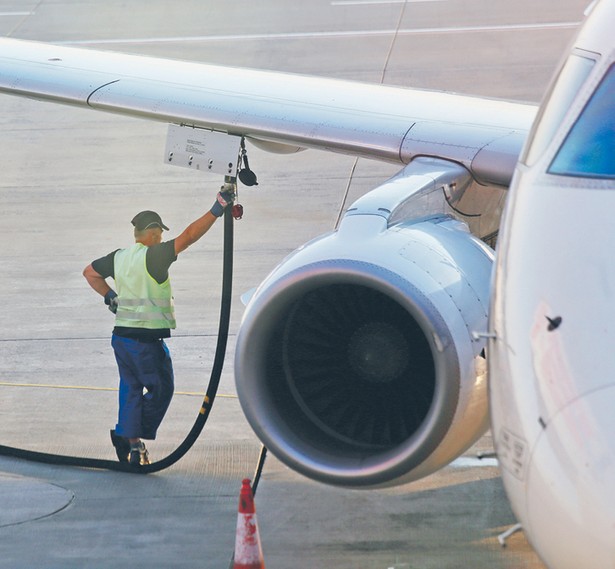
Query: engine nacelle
[356,363]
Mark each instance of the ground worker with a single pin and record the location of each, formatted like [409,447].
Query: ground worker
[144,316]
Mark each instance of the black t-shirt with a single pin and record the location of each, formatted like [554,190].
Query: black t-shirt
[158,259]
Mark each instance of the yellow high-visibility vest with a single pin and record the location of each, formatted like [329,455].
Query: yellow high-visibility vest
[142,301]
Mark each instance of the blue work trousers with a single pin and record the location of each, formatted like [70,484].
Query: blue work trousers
[146,386]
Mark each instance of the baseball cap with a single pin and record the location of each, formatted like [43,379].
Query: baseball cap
[146,219]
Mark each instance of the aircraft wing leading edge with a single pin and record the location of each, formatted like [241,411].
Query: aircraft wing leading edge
[374,121]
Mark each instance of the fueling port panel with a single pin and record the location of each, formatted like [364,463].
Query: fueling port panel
[200,149]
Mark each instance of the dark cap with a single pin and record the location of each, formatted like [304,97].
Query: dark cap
[146,219]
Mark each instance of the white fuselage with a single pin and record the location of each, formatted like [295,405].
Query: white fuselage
[552,362]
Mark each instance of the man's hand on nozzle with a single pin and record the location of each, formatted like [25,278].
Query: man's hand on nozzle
[225,196]
[111,300]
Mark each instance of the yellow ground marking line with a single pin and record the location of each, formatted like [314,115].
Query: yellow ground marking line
[87,388]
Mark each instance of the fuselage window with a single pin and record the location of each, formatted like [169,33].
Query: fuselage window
[589,148]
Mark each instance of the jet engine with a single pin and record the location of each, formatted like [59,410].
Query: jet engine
[357,360]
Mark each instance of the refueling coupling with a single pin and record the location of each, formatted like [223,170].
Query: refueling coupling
[230,185]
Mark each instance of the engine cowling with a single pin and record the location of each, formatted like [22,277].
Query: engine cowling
[356,363]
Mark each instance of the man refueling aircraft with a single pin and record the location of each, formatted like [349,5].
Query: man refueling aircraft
[144,316]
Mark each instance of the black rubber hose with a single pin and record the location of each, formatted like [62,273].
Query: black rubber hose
[210,395]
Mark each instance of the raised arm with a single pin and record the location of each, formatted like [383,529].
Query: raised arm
[199,227]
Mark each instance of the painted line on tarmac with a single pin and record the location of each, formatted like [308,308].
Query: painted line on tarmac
[312,35]
[90,388]
[368,2]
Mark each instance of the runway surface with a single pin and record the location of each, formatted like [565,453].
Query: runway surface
[71,181]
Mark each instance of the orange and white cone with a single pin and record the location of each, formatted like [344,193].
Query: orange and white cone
[248,551]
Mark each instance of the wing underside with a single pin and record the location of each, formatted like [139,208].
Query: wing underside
[375,121]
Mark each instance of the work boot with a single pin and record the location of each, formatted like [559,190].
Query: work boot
[122,446]
[138,454]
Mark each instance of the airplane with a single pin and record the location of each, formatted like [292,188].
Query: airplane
[363,359]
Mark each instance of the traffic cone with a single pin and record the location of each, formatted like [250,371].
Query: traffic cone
[248,551]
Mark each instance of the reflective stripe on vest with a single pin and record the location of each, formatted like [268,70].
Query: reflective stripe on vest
[142,301]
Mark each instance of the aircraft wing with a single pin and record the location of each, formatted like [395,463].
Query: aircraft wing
[375,121]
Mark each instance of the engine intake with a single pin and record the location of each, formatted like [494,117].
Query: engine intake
[355,364]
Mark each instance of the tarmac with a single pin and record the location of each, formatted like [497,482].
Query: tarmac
[71,181]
